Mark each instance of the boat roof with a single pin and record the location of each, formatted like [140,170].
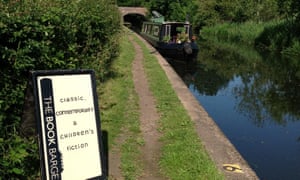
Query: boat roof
[169,22]
[175,22]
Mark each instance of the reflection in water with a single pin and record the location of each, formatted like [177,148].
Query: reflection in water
[255,99]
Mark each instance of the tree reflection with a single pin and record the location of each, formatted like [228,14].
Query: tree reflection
[270,88]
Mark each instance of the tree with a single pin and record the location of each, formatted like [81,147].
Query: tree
[130,3]
[206,13]
[177,10]
[218,11]
[290,9]
[265,10]
[295,10]
[163,7]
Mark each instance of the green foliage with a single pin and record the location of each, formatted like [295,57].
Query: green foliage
[163,7]
[205,14]
[44,35]
[130,3]
[274,36]
[289,7]
[293,52]
[20,157]
[277,36]
[233,32]
[263,26]
[211,12]
[174,10]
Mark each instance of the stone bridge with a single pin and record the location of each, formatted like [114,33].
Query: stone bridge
[133,10]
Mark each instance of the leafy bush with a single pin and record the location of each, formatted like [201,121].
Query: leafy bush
[281,37]
[44,35]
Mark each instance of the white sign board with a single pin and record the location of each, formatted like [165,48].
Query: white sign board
[69,125]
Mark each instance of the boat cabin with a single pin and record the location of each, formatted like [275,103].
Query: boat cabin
[172,39]
[168,32]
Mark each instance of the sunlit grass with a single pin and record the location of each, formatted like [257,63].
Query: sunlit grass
[278,36]
[232,32]
[119,111]
[183,156]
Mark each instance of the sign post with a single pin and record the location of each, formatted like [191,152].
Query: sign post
[68,121]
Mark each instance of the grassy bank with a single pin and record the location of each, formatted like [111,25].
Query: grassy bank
[183,156]
[274,36]
[232,32]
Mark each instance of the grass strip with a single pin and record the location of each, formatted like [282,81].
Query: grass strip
[119,111]
[183,155]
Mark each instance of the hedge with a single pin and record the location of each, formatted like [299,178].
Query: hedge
[45,35]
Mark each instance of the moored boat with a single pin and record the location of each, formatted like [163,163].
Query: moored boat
[172,39]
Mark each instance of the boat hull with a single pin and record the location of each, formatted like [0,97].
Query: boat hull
[184,51]
[180,51]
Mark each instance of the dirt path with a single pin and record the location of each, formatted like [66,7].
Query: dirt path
[148,125]
[148,118]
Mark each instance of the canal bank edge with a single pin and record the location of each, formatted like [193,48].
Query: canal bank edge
[228,160]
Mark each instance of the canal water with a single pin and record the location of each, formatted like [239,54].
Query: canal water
[255,100]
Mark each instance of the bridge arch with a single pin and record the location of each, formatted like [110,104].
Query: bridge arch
[133,10]
[133,16]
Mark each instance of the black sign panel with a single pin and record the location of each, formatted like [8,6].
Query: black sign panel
[69,125]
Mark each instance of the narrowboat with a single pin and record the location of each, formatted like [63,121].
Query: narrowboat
[171,39]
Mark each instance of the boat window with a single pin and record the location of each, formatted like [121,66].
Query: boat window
[155,30]
[180,29]
[168,30]
[187,29]
[149,28]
